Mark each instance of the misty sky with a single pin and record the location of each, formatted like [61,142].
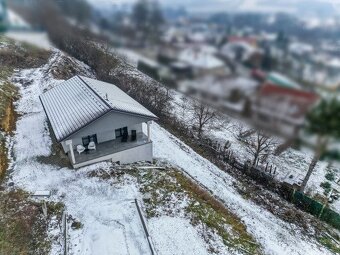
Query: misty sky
[303,7]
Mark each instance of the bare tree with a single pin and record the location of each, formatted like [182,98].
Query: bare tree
[324,122]
[202,115]
[184,107]
[259,146]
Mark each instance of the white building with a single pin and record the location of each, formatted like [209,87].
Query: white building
[96,121]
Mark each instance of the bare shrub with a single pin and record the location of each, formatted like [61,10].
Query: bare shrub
[202,115]
[260,146]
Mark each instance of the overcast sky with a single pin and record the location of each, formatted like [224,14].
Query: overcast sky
[312,7]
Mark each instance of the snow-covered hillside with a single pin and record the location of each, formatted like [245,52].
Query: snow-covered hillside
[106,210]
[105,207]
[290,162]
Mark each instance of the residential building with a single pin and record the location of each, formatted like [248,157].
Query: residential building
[96,121]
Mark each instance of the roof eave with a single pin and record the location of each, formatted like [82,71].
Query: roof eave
[56,137]
[65,137]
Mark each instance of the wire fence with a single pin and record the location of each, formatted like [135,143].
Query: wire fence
[316,208]
[266,176]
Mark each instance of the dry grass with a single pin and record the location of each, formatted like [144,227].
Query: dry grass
[8,117]
[66,68]
[22,225]
[165,190]
[203,209]
[23,228]
[3,159]
[13,56]
[8,95]
[21,55]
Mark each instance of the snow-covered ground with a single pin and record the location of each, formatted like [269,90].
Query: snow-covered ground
[15,20]
[132,57]
[39,39]
[23,33]
[176,232]
[110,221]
[106,209]
[289,162]
[276,236]
[108,214]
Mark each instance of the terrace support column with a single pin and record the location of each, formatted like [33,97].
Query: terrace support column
[149,133]
[69,144]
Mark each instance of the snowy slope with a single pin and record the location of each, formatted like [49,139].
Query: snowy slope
[276,236]
[289,162]
[111,224]
[110,221]
[178,236]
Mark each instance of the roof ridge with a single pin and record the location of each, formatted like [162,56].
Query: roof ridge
[95,92]
[112,106]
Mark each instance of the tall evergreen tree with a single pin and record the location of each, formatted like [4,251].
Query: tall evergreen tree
[78,9]
[267,60]
[323,121]
[156,18]
[140,15]
[148,18]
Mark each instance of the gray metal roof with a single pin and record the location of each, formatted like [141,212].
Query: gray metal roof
[77,102]
[116,98]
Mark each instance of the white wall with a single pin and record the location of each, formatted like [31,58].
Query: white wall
[105,127]
[140,153]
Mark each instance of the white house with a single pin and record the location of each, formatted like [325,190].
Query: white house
[201,57]
[96,121]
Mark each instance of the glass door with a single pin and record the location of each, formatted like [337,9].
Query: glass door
[90,138]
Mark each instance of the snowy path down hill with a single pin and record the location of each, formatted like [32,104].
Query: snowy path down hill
[109,217]
[276,236]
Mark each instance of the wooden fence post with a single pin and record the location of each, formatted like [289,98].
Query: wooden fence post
[64,223]
[323,207]
[44,208]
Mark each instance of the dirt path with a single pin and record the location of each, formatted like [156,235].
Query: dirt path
[8,96]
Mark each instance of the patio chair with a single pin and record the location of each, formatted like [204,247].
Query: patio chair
[80,149]
[92,146]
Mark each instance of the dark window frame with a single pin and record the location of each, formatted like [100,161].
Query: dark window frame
[90,138]
[120,132]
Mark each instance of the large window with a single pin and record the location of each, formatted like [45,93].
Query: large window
[121,131]
[88,139]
